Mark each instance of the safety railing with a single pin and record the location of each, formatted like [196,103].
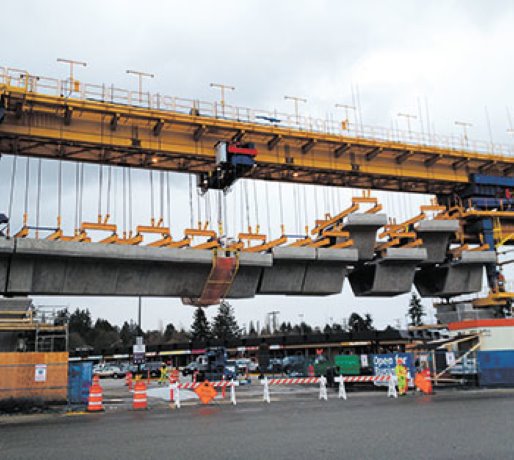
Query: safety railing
[109,93]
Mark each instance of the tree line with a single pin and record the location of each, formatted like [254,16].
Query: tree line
[102,335]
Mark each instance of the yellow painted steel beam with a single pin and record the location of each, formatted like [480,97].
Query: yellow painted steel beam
[82,130]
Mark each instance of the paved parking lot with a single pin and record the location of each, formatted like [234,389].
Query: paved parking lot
[450,424]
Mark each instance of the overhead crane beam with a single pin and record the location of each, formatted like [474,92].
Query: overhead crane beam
[41,125]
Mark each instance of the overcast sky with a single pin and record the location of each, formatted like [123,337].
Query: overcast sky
[454,58]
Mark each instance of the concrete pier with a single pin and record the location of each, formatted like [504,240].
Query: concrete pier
[307,271]
[390,275]
[436,236]
[462,276]
[363,231]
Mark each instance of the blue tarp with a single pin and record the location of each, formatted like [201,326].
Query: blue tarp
[79,381]
[496,368]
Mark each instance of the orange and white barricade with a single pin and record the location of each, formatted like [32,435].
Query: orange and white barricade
[95,398]
[177,386]
[322,381]
[139,399]
[128,380]
[174,378]
[323,388]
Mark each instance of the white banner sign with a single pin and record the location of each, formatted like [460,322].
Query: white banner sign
[450,358]
[40,374]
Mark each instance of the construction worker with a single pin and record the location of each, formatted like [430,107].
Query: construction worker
[163,379]
[401,377]
[428,379]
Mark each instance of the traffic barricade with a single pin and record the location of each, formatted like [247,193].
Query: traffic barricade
[139,398]
[177,386]
[128,380]
[322,381]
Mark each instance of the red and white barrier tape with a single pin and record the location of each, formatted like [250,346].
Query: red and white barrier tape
[289,381]
[193,385]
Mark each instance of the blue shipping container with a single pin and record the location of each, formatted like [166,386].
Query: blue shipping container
[79,381]
[496,368]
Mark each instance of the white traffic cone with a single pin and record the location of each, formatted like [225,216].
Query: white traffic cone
[323,388]
[391,389]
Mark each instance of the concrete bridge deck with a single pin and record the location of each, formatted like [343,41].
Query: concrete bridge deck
[43,267]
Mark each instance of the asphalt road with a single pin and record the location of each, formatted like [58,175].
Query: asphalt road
[450,425]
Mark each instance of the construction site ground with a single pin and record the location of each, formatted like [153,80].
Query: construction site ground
[453,424]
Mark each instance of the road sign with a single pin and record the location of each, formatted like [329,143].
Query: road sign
[138,354]
[206,392]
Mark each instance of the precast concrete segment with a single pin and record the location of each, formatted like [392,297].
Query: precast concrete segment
[288,271]
[67,268]
[307,271]
[463,276]
[6,252]
[363,231]
[390,275]
[436,236]
[246,282]
[326,276]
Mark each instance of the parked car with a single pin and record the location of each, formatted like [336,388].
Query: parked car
[109,371]
[152,367]
[247,364]
[190,368]
[275,366]
[232,366]
[294,365]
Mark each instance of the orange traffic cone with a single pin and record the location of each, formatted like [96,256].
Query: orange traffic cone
[139,400]
[95,398]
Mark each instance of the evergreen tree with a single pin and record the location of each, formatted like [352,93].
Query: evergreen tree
[129,332]
[104,335]
[327,329]
[416,311]
[225,325]
[81,324]
[368,322]
[356,323]
[200,329]
[284,328]
[169,332]
[336,327]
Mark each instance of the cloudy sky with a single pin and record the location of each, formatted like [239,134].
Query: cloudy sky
[451,58]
